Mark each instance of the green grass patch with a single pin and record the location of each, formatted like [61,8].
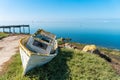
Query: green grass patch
[2,35]
[67,65]
[60,41]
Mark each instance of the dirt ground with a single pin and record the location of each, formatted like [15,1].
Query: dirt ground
[8,47]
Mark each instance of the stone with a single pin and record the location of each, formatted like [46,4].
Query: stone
[91,49]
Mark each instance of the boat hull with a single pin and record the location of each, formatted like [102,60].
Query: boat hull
[31,61]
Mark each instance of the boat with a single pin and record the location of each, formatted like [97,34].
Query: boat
[37,49]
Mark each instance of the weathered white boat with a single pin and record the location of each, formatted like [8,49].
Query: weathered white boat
[37,49]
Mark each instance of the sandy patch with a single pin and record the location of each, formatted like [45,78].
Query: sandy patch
[9,46]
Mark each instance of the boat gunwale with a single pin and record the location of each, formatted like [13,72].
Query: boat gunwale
[41,31]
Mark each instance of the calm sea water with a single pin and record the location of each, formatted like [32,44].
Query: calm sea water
[105,34]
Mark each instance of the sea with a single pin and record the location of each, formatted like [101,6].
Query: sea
[101,33]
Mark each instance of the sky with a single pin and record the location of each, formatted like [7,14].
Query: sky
[58,10]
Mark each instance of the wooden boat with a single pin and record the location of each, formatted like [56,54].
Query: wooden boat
[37,49]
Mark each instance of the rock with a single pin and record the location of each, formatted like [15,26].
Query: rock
[96,51]
[93,49]
[90,48]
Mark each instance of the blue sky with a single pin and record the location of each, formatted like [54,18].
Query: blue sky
[58,10]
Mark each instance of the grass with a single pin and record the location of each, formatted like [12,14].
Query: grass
[2,35]
[67,65]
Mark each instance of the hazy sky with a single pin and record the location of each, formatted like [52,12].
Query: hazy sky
[58,10]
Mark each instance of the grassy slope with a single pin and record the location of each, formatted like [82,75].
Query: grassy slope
[2,35]
[68,64]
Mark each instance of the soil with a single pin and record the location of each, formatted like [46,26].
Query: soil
[8,47]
